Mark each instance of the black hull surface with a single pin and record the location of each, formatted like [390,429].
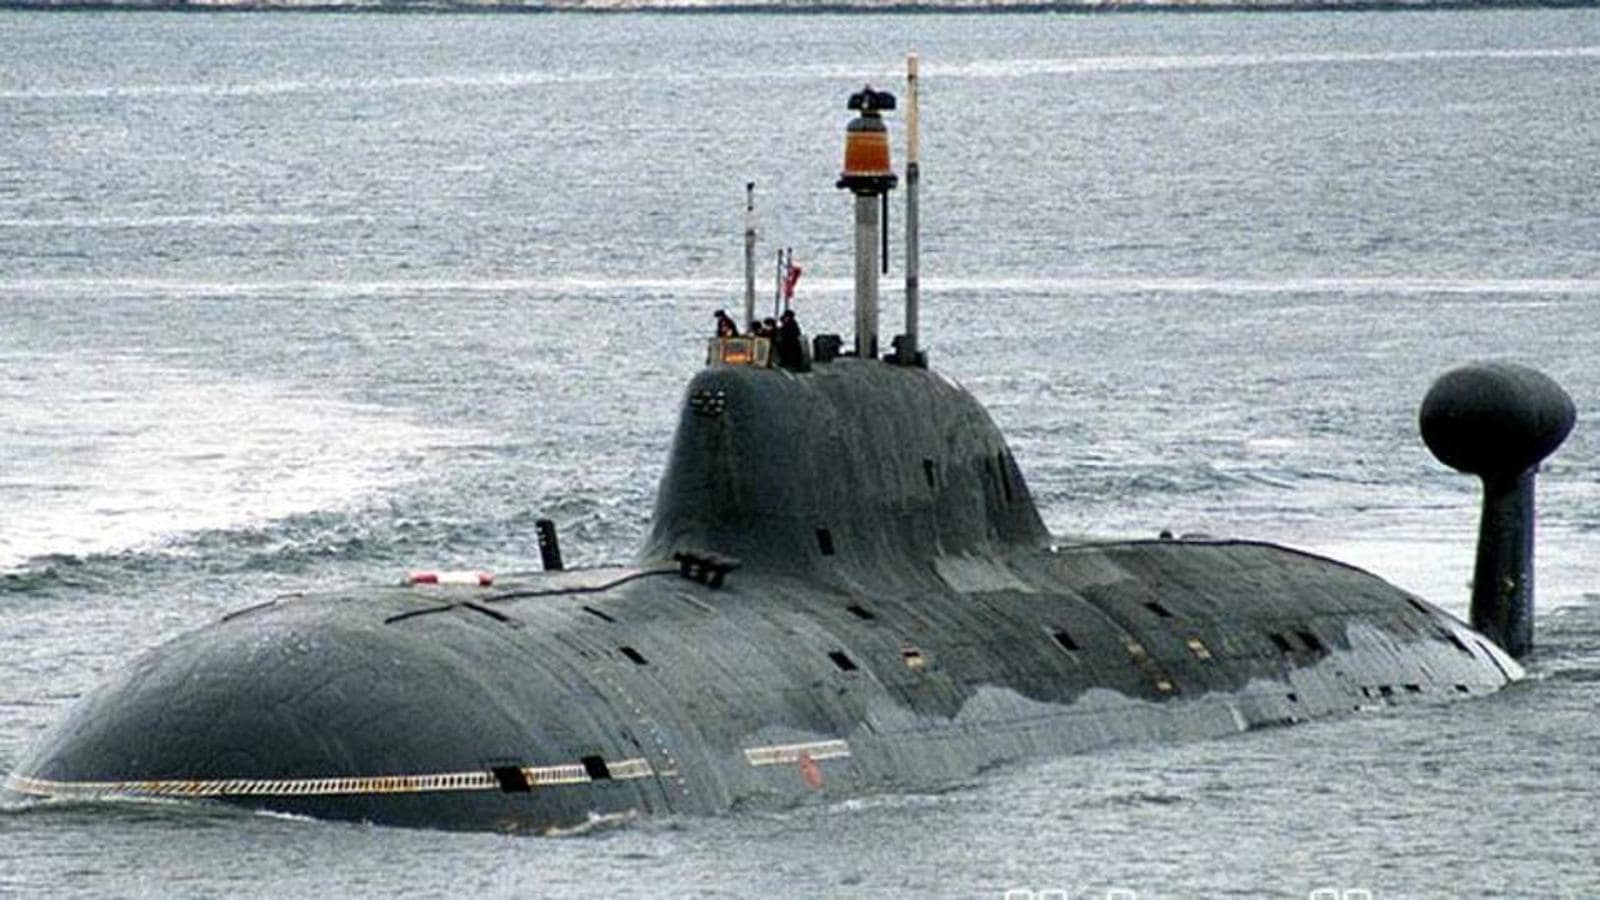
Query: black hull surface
[846,589]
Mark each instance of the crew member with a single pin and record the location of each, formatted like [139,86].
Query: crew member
[791,352]
[725,326]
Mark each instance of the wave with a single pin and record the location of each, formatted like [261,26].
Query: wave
[124,457]
[636,287]
[308,86]
[186,220]
[646,286]
[1021,68]
[1356,285]
[1009,69]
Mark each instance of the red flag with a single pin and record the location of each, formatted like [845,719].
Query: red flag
[789,279]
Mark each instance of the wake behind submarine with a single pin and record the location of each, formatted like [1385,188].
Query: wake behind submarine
[846,588]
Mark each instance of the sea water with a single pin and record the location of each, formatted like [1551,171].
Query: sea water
[294,301]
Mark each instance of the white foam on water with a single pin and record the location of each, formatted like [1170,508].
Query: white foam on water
[182,220]
[1276,287]
[477,80]
[1440,570]
[1014,68]
[102,456]
[1002,69]
[567,285]
[555,286]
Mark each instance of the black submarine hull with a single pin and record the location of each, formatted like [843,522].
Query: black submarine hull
[847,589]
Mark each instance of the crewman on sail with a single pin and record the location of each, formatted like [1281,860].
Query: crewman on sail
[725,326]
[791,352]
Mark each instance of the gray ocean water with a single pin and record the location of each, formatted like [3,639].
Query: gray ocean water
[296,300]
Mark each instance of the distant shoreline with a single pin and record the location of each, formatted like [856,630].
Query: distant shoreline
[779,7]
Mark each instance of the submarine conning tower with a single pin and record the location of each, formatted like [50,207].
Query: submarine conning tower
[853,463]
[1498,421]
[857,463]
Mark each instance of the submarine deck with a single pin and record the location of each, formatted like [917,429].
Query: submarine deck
[475,706]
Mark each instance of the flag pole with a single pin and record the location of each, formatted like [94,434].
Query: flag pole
[749,255]
[913,178]
[777,282]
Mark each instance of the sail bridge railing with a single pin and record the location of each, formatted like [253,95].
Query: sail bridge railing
[739,351]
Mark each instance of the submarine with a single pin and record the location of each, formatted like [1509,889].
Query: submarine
[846,588]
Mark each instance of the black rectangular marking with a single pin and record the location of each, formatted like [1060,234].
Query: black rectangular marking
[824,542]
[512,779]
[1064,639]
[596,767]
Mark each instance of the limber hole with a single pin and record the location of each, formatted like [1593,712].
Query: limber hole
[824,542]
[1158,609]
[598,614]
[1282,643]
[842,660]
[1064,639]
[512,779]
[861,612]
[1312,641]
[596,767]
[636,656]
[927,472]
